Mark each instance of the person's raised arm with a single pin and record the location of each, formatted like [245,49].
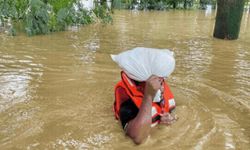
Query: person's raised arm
[138,129]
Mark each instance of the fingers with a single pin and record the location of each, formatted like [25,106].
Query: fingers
[155,78]
[155,82]
[168,119]
[167,122]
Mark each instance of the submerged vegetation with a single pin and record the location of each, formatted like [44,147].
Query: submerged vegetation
[46,16]
[162,4]
[36,17]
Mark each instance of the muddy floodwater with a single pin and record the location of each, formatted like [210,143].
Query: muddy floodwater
[57,91]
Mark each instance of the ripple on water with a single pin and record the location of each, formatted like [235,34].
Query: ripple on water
[14,89]
[16,76]
[75,94]
[96,141]
[214,127]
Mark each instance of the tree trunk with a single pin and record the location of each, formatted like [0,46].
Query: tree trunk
[174,5]
[202,4]
[228,19]
[185,4]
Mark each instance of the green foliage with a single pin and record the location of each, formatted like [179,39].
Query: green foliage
[80,16]
[12,31]
[162,4]
[103,13]
[118,4]
[173,3]
[46,16]
[58,4]
[37,18]
[204,3]
[69,16]
[154,4]
[8,9]
[21,5]
[62,18]
[123,4]
[8,14]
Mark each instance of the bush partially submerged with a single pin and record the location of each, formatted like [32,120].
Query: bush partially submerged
[37,18]
[160,4]
[45,16]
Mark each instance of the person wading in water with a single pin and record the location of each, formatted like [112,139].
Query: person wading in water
[142,105]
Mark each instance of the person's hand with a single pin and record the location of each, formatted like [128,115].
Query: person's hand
[168,118]
[153,84]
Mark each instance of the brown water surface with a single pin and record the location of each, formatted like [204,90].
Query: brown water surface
[56,91]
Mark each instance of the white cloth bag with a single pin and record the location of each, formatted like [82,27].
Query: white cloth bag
[140,63]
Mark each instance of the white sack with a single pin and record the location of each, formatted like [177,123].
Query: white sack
[140,63]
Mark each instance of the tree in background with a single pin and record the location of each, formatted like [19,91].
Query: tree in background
[46,16]
[228,19]
[162,4]
[187,3]
[204,3]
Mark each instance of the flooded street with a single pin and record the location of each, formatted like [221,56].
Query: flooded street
[57,91]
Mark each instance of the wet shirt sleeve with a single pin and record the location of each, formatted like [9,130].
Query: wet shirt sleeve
[128,111]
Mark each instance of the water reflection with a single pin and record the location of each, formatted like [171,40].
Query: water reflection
[85,49]
[232,70]
[14,89]
[197,59]
[88,49]
[16,76]
[20,75]
[242,75]
[208,10]
[245,29]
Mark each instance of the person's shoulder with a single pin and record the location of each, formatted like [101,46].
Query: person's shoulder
[128,111]
[128,107]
